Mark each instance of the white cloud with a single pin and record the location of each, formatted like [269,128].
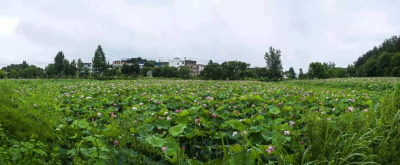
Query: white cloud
[305,31]
[8,25]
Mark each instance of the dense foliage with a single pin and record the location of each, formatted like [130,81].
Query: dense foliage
[381,61]
[332,121]
[23,70]
[274,63]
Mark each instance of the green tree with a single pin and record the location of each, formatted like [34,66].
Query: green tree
[184,72]
[72,68]
[211,71]
[118,72]
[261,72]
[395,64]
[341,73]
[383,65]
[331,73]
[80,65]
[316,70]
[14,74]
[59,63]
[249,73]
[50,70]
[86,71]
[99,61]
[144,71]
[292,74]
[274,63]
[301,74]
[351,70]
[3,74]
[370,68]
[65,71]
[233,70]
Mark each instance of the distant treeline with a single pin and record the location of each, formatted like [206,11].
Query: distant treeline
[381,61]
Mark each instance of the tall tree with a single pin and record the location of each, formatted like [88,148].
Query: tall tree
[274,63]
[292,74]
[3,74]
[301,74]
[316,70]
[65,71]
[184,72]
[72,68]
[50,70]
[211,71]
[99,61]
[59,63]
[80,65]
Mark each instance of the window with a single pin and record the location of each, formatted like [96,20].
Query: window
[177,63]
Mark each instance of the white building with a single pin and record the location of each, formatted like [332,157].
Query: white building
[117,64]
[141,65]
[87,65]
[201,67]
[176,62]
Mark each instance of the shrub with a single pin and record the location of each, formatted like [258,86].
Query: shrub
[3,74]
[24,114]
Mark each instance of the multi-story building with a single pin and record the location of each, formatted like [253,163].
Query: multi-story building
[87,65]
[117,64]
[194,68]
[176,62]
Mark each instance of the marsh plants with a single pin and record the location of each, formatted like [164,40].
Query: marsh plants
[333,121]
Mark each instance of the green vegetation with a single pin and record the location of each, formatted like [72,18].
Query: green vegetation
[330,121]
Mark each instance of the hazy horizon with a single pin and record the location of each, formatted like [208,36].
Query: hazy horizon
[305,31]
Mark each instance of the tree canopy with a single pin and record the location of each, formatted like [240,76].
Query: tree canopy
[274,63]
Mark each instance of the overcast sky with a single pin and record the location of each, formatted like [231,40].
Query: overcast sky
[221,30]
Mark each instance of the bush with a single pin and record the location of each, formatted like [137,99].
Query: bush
[3,74]
[24,114]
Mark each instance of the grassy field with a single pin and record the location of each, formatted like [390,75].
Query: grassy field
[333,121]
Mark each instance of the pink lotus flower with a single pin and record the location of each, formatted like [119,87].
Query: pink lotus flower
[177,111]
[291,123]
[114,116]
[214,115]
[237,113]
[99,114]
[196,120]
[351,108]
[270,149]
[365,110]
[235,107]
[183,148]
[115,104]
[164,148]
[116,142]
[204,105]
[302,142]
[333,109]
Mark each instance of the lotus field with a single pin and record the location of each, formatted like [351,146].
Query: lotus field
[334,121]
